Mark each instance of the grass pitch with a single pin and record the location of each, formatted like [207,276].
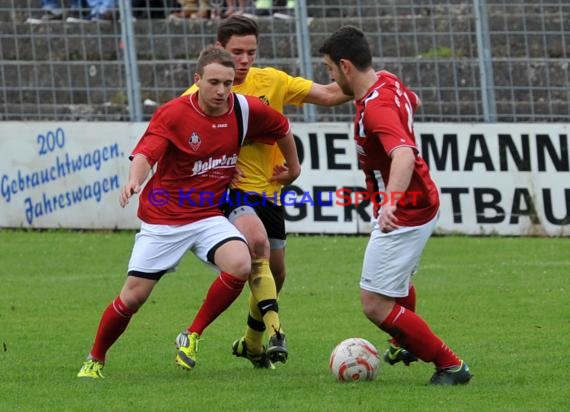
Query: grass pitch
[501,303]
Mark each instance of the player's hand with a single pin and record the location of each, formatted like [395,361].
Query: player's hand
[236,178]
[128,191]
[284,175]
[387,219]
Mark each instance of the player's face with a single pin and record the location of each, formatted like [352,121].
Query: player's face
[244,51]
[215,85]
[337,75]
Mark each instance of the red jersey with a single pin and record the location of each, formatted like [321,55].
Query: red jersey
[197,155]
[384,122]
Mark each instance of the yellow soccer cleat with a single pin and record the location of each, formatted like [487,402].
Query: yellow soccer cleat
[91,369]
[187,350]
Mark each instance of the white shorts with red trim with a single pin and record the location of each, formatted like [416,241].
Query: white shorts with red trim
[161,247]
[392,258]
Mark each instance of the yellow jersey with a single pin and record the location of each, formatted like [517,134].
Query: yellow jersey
[257,160]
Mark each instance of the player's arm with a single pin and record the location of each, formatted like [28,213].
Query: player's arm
[287,175]
[138,173]
[326,95]
[401,170]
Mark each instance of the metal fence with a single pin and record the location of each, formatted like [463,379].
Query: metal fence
[469,60]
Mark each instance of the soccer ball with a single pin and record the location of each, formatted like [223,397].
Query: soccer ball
[354,359]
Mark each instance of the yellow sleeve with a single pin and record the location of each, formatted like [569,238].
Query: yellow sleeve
[190,90]
[297,89]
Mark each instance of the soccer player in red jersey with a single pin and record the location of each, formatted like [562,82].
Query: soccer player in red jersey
[262,222]
[388,155]
[194,141]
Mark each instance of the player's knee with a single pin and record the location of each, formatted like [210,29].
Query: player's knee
[132,300]
[375,309]
[241,267]
[258,245]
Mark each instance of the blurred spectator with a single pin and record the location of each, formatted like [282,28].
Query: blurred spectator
[152,9]
[281,9]
[231,8]
[191,9]
[53,10]
[79,11]
[103,9]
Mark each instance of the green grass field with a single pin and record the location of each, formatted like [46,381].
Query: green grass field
[501,303]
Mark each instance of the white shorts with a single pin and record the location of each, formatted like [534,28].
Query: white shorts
[161,247]
[392,258]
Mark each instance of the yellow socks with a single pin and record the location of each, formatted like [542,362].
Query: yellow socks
[263,309]
[255,328]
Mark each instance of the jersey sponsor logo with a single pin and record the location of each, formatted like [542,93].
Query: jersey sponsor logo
[194,141]
[205,166]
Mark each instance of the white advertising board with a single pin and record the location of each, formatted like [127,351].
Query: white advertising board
[504,179]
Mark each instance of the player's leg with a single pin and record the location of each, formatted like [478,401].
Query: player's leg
[114,321]
[263,306]
[273,218]
[263,314]
[152,256]
[388,263]
[395,352]
[220,243]
[277,262]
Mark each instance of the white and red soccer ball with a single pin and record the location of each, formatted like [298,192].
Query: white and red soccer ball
[354,359]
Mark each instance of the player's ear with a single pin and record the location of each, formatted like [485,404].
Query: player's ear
[345,65]
[196,77]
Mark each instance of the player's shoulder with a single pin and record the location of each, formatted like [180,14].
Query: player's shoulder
[387,76]
[268,75]
[251,100]
[190,90]
[397,86]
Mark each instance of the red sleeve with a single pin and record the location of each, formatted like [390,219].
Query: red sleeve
[266,125]
[388,122]
[154,141]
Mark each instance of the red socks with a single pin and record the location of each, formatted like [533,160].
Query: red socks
[409,302]
[222,293]
[413,333]
[112,324]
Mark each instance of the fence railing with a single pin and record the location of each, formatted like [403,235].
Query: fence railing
[469,60]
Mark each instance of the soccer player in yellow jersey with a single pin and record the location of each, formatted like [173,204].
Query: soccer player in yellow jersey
[254,207]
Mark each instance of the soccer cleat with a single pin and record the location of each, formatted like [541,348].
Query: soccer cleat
[277,348]
[91,369]
[187,350]
[456,375]
[259,361]
[395,354]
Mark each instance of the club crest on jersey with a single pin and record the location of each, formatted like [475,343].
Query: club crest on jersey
[194,141]
[264,99]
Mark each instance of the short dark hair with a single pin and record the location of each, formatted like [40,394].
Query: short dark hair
[348,43]
[212,54]
[236,25]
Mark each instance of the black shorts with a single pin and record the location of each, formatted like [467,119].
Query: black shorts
[271,215]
